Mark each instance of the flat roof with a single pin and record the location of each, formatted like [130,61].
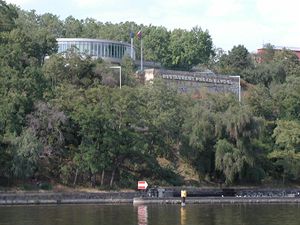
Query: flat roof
[296,49]
[92,40]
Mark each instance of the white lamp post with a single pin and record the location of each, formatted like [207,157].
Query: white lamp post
[120,68]
[239,86]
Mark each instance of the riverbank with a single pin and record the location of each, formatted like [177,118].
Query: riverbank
[216,200]
[134,197]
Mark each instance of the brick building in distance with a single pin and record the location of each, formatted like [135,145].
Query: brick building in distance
[261,51]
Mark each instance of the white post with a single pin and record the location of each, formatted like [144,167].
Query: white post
[120,72]
[239,89]
[131,49]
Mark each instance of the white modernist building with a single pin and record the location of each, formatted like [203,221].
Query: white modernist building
[112,51]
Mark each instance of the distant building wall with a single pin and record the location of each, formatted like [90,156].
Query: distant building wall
[193,82]
[263,50]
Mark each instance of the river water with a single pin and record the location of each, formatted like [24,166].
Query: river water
[206,214]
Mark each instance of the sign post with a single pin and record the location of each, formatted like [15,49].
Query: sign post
[183,196]
[142,185]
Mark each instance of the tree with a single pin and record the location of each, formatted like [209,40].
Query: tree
[110,132]
[265,73]
[200,132]
[266,55]
[21,83]
[162,115]
[128,71]
[240,129]
[27,155]
[90,28]
[229,160]
[156,42]
[8,14]
[235,61]
[203,45]
[73,27]
[34,27]
[287,134]
[239,58]
[76,69]
[198,139]
[289,61]
[188,49]
[287,98]
[214,60]
[52,24]
[46,124]
[286,156]
[261,102]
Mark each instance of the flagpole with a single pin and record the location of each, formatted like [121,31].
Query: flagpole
[131,40]
[142,54]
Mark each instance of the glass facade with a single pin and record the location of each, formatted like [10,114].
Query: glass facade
[96,48]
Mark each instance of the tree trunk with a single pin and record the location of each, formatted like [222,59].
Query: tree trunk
[102,178]
[75,178]
[112,177]
[91,178]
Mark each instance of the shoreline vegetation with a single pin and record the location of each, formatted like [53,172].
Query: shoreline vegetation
[70,119]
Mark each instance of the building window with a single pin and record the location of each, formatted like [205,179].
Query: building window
[94,48]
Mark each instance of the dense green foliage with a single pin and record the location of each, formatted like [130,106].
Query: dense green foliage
[65,119]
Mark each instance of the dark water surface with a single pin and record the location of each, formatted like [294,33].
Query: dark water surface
[231,214]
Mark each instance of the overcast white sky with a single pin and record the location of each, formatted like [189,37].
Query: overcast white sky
[229,22]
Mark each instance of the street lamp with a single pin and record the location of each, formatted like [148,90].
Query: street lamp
[239,86]
[120,68]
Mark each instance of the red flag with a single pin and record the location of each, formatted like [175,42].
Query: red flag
[139,35]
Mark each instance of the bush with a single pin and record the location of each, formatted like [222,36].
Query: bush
[45,186]
[29,187]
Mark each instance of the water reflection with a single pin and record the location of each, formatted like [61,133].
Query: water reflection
[182,216]
[142,213]
[206,214]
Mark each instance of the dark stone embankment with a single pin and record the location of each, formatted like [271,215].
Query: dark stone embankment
[26,198]
[155,196]
[217,200]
